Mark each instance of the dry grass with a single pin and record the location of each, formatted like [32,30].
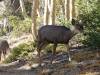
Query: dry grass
[91,73]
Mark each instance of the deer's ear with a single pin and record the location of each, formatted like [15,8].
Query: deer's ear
[73,21]
[80,22]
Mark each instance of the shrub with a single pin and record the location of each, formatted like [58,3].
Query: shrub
[90,14]
[64,22]
[22,51]
[20,26]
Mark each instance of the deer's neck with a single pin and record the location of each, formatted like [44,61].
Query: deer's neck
[73,30]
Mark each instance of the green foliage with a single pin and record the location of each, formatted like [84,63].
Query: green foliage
[90,14]
[20,26]
[64,22]
[48,48]
[85,6]
[2,32]
[22,51]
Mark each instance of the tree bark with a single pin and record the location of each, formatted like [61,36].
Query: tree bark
[73,9]
[34,18]
[23,8]
[52,12]
[70,12]
[62,6]
[67,9]
[46,13]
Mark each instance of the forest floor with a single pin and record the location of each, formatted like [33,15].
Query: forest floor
[85,64]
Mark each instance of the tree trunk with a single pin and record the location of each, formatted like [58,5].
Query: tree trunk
[52,12]
[37,8]
[34,18]
[62,6]
[70,7]
[23,8]
[67,9]
[46,13]
[73,9]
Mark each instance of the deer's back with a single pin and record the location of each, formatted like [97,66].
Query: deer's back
[3,45]
[54,34]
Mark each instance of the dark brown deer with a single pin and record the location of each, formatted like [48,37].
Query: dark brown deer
[4,48]
[57,35]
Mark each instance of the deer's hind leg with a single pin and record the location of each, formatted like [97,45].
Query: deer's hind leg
[0,55]
[4,53]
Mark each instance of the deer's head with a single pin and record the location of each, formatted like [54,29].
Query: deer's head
[77,25]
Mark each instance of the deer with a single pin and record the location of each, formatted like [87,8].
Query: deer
[4,48]
[57,35]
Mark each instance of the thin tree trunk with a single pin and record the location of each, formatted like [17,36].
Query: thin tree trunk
[67,9]
[38,12]
[70,11]
[46,13]
[23,8]
[62,4]
[73,9]
[52,12]
[34,18]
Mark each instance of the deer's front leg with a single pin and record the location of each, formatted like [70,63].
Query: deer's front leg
[68,51]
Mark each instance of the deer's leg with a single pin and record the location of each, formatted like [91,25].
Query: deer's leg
[8,51]
[4,53]
[39,58]
[0,55]
[97,54]
[68,51]
[40,46]
[54,52]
